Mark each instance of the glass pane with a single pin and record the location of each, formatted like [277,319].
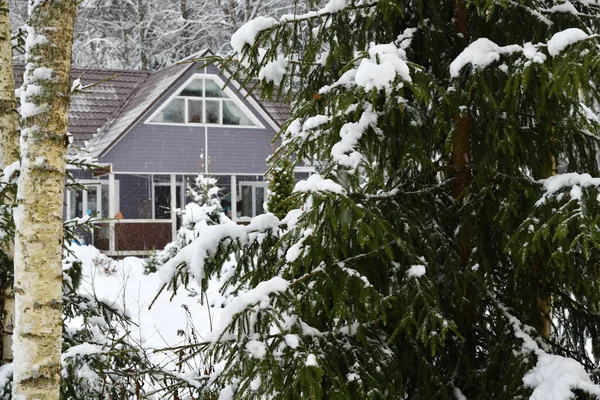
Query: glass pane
[162,202]
[105,201]
[172,113]
[194,111]
[213,89]
[212,112]
[260,199]
[92,200]
[76,206]
[246,206]
[233,115]
[194,89]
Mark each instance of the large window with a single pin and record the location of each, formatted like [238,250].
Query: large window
[202,102]
[91,199]
[252,199]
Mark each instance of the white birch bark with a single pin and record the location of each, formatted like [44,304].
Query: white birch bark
[9,153]
[38,219]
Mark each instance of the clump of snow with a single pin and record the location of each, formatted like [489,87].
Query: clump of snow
[558,182]
[6,372]
[343,152]
[246,35]
[292,341]
[274,70]
[566,7]
[315,183]
[372,73]
[563,39]
[416,271]
[83,349]
[532,53]
[480,54]
[311,361]
[10,170]
[334,6]
[43,73]
[256,349]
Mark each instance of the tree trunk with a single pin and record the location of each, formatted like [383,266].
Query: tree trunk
[9,153]
[542,296]
[39,235]
[142,31]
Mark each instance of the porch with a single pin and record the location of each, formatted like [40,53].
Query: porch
[138,212]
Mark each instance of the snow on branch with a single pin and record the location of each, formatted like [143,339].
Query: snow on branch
[483,52]
[573,180]
[195,254]
[563,39]
[260,294]
[480,54]
[553,376]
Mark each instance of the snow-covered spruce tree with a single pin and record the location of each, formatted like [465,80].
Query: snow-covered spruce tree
[449,247]
[203,209]
[38,239]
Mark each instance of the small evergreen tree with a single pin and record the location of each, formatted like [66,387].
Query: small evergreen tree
[203,209]
[281,187]
[449,248]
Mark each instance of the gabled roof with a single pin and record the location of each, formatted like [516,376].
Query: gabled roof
[118,99]
[139,102]
[90,109]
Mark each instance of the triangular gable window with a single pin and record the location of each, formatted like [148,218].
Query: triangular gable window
[201,101]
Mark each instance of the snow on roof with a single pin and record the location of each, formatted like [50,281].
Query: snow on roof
[91,108]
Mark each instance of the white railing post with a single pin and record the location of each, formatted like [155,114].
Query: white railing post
[233,199]
[173,206]
[111,211]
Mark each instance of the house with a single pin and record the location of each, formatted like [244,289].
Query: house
[153,133]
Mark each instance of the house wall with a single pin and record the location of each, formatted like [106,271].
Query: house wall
[181,149]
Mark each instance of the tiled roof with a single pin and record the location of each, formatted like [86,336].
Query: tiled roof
[91,109]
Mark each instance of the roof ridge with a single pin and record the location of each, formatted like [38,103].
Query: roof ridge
[20,65]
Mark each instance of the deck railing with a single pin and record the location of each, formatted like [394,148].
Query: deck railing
[132,236]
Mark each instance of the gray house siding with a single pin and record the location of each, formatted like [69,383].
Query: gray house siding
[171,148]
[158,148]
[238,150]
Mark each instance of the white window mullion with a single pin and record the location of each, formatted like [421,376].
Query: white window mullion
[185,110]
[221,112]
[253,201]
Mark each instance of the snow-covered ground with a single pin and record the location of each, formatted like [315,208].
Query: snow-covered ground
[123,282]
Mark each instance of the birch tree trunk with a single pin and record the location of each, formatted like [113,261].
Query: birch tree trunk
[39,236]
[9,153]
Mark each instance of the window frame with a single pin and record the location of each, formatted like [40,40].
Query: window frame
[89,184]
[229,95]
[254,185]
